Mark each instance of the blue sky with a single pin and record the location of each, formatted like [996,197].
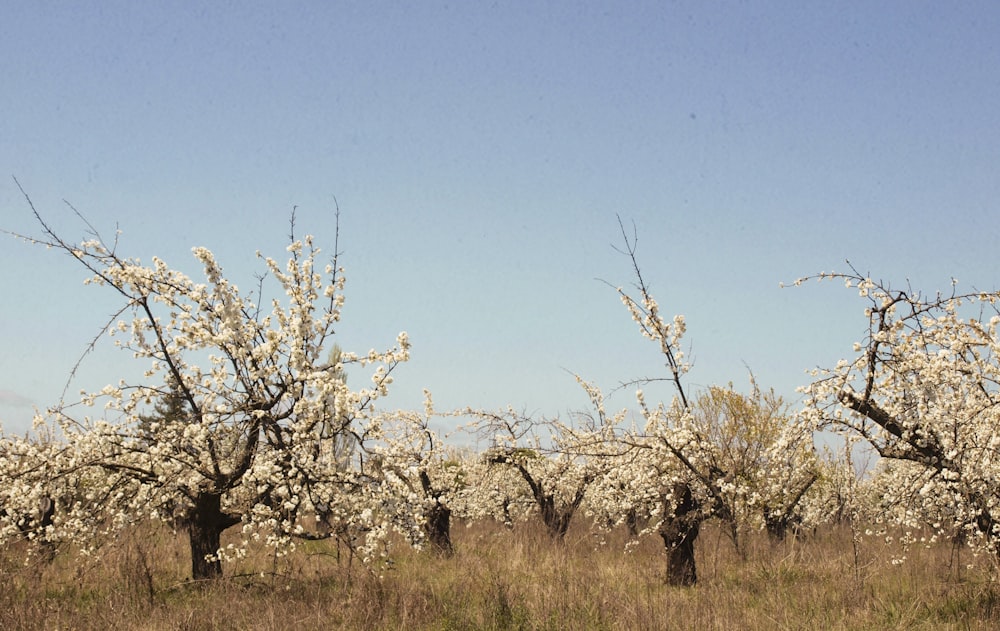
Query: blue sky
[479,155]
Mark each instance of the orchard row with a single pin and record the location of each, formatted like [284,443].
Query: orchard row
[246,421]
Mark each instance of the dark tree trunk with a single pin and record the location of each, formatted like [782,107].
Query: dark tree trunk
[205,528]
[556,520]
[778,524]
[438,528]
[437,523]
[632,523]
[33,525]
[777,527]
[556,524]
[679,533]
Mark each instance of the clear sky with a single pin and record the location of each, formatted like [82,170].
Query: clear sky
[480,152]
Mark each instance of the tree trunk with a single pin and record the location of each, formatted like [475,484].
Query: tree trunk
[679,534]
[777,527]
[438,528]
[556,520]
[632,522]
[550,517]
[778,524]
[437,523]
[205,529]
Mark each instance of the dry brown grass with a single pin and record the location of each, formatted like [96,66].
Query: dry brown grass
[503,579]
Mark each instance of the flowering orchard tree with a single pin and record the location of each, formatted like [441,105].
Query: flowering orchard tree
[719,455]
[765,454]
[692,491]
[549,468]
[425,471]
[550,462]
[485,490]
[626,483]
[839,494]
[923,388]
[27,509]
[258,405]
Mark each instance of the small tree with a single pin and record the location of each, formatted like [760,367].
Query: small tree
[27,509]
[767,457]
[715,455]
[238,438]
[554,466]
[923,389]
[426,471]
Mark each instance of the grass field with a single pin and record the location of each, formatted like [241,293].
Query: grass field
[501,579]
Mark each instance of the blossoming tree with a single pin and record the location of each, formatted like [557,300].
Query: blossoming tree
[545,456]
[427,473]
[923,389]
[27,508]
[258,404]
[719,454]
